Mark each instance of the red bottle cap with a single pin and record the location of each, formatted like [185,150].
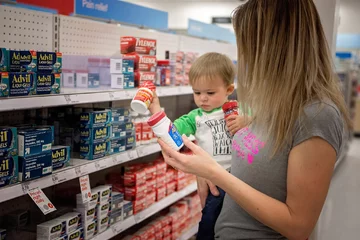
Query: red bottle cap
[163,62]
[229,105]
[154,119]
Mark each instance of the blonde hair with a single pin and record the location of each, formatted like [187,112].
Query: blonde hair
[284,63]
[211,65]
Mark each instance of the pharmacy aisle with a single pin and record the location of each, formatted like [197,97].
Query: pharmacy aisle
[340,216]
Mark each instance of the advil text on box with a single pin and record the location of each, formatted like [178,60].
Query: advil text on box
[8,167]
[130,44]
[35,166]
[49,62]
[34,141]
[95,134]
[73,221]
[8,138]
[60,156]
[47,83]
[22,61]
[17,84]
[92,151]
[96,118]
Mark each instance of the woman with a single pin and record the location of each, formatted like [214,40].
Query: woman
[283,161]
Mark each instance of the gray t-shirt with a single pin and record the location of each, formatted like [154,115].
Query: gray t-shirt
[251,164]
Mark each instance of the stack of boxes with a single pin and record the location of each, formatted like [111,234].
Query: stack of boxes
[180,65]
[142,52]
[24,73]
[68,226]
[8,156]
[106,132]
[122,73]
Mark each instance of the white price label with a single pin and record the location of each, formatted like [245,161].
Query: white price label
[71,99]
[132,154]
[111,96]
[127,94]
[59,177]
[85,169]
[78,171]
[40,199]
[85,188]
[97,166]
[140,152]
[25,187]
[67,99]
[116,229]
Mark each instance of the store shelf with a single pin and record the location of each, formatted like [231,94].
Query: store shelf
[79,168]
[190,233]
[119,227]
[72,96]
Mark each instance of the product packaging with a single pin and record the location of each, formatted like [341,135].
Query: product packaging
[9,172]
[93,80]
[135,192]
[95,134]
[92,151]
[135,178]
[120,115]
[60,157]
[103,224]
[17,84]
[73,222]
[90,229]
[77,235]
[49,62]
[145,46]
[81,79]
[121,130]
[104,193]
[33,141]
[127,209]
[35,166]
[47,83]
[52,229]
[143,97]
[230,108]
[95,118]
[4,60]
[95,199]
[23,61]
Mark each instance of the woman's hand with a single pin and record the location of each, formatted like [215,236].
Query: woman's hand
[200,163]
[203,189]
[155,105]
[234,123]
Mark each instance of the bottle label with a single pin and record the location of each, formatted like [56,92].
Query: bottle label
[144,96]
[175,135]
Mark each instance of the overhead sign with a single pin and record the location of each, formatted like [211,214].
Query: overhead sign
[210,31]
[222,20]
[123,12]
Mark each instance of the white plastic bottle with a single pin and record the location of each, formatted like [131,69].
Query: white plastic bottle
[166,130]
[143,97]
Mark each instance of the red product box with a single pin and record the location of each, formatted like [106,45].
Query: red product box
[134,178]
[151,185]
[187,68]
[114,178]
[180,207]
[186,80]
[130,44]
[140,77]
[175,226]
[138,131]
[160,181]
[150,172]
[170,188]
[138,205]
[150,199]
[118,188]
[150,230]
[181,184]
[173,216]
[157,224]
[175,235]
[189,57]
[134,167]
[170,174]
[161,167]
[179,79]
[165,221]
[179,68]
[167,230]
[135,192]
[142,63]
[159,235]
[133,237]
[179,175]
[160,193]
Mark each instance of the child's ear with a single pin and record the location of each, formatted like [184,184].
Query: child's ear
[230,89]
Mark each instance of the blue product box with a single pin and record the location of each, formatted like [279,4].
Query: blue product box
[4,61]
[127,209]
[95,118]
[77,235]
[129,80]
[60,157]
[35,166]
[8,138]
[120,115]
[130,142]
[47,83]
[2,234]
[115,216]
[17,84]
[92,151]
[117,201]
[129,84]
[127,66]
[95,134]
[117,146]
[121,130]
[9,171]
[49,62]
[51,127]
[94,80]
[22,61]
[34,141]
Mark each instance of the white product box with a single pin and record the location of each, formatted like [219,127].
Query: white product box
[104,193]
[116,66]
[95,198]
[52,229]
[90,230]
[87,215]
[117,81]
[103,224]
[68,80]
[82,80]
[103,210]
[73,221]
[77,235]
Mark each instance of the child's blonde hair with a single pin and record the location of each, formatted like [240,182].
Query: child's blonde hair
[284,64]
[211,65]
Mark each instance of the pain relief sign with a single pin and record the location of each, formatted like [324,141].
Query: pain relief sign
[40,199]
[85,188]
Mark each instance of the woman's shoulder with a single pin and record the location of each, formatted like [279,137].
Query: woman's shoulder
[322,110]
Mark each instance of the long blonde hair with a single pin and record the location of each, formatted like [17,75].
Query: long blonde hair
[284,63]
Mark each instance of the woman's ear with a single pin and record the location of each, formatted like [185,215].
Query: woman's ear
[230,89]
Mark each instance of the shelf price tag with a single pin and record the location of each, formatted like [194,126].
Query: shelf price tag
[40,199]
[85,188]
[25,187]
[132,154]
[111,96]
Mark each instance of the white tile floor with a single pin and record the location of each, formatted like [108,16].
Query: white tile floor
[340,219]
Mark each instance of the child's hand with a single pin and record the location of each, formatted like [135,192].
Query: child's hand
[155,105]
[234,123]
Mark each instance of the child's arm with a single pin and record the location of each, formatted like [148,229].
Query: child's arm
[186,124]
[155,105]
[235,123]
